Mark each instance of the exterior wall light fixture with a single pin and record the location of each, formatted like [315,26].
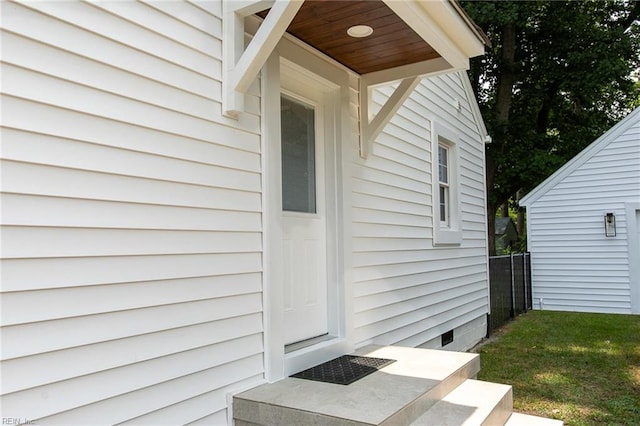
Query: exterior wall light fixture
[610,225]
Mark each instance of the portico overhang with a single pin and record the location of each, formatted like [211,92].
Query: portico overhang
[409,39]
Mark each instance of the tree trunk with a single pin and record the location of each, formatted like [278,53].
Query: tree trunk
[505,209]
[504,95]
[520,219]
[491,228]
[504,91]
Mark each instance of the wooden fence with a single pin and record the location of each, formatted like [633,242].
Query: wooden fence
[510,288]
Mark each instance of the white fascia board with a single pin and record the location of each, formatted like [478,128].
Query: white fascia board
[475,108]
[430,67]
[458,27]
[422,18]
[581,158]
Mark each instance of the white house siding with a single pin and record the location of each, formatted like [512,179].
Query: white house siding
[406,291]
[574,266]
[131,240]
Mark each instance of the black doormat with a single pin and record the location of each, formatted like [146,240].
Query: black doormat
[344,370]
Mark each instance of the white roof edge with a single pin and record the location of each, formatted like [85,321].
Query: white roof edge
[475,108]
[444,27]
[458,26]
[582,157]
[481,36]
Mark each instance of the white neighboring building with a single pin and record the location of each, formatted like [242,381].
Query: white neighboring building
[575,266]
[148,269]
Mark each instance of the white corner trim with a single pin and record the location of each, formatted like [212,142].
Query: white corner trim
[231,392]
[633,247]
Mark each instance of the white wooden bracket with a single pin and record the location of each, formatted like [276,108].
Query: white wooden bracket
[241,66]
[370,127]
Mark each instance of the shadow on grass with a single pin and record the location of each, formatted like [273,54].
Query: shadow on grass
[581,368]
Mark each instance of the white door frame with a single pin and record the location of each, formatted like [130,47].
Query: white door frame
[309,319]
[338,146]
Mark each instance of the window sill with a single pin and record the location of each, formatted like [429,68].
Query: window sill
[447,237]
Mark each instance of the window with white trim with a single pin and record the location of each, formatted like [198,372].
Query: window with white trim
[443,182]
[446,206]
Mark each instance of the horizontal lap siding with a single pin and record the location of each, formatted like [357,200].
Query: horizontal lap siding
[406,291]
[574,266]
[131,255]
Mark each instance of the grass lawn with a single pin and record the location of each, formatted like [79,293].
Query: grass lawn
[581,368]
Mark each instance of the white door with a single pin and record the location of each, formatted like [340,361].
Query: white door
[304,215]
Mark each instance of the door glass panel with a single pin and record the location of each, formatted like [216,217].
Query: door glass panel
[298,156]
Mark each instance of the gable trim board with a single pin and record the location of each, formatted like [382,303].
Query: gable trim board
[574,265]
[138,274]
[584,155]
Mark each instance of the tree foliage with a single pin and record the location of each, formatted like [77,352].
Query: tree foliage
[557,75]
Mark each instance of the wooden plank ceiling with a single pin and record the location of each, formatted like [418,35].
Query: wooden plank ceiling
[323,24]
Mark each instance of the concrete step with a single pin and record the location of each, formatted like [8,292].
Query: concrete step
[423,387]
[518,419]
[473,403]
[395,395]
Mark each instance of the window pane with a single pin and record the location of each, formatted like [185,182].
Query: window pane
[443,162]
[298,156]
[444,202]
[442,174]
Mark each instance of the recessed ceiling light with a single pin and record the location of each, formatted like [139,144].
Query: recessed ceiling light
[360,31]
